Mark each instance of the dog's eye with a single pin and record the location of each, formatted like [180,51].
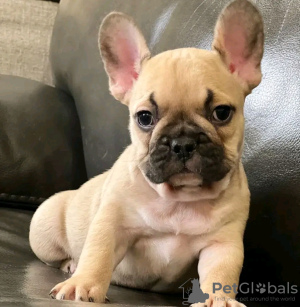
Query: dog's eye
[145,119]
[222,114]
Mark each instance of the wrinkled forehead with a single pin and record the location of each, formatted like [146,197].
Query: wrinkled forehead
[182,78]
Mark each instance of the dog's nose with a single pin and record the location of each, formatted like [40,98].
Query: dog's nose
[183,147]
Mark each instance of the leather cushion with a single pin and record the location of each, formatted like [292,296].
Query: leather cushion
[40,142]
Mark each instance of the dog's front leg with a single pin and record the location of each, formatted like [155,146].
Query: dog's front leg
[104,248]
[220,266]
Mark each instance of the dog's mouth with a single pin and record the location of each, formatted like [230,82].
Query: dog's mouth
[187,186]
[185,179]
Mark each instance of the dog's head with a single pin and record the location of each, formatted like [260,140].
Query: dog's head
[186,105]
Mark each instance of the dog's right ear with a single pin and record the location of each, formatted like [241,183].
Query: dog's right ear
[123,49]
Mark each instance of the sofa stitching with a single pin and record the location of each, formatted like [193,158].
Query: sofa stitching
[12,197]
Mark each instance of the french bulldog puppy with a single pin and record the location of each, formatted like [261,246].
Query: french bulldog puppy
[179,192]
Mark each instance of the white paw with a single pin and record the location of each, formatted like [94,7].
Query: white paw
[79,289]
[68,266]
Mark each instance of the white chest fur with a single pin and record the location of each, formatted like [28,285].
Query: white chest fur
[156,260]
[171,235]
[178,218]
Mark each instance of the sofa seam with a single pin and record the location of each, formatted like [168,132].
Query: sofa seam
[23,198]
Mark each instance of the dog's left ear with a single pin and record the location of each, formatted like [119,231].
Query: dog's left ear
[123,49]
[239,38]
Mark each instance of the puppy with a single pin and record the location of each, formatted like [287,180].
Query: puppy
[179,192]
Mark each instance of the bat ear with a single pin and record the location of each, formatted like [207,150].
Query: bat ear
[123,49]
[239,39]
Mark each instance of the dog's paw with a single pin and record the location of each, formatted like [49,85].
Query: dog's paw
[219,302]
[79,288]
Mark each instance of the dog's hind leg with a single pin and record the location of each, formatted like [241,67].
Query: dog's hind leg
[47,234]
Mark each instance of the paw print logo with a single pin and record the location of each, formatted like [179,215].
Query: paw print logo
[261,288]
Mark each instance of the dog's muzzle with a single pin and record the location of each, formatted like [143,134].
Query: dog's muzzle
[186,153]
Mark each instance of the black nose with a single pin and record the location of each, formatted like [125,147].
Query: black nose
[183,147]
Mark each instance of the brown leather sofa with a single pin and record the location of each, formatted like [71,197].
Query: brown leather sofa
[43,150]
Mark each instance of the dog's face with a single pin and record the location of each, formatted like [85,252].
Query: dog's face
[187,118]
[186,105]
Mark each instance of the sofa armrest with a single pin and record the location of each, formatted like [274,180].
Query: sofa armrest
[40,142]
